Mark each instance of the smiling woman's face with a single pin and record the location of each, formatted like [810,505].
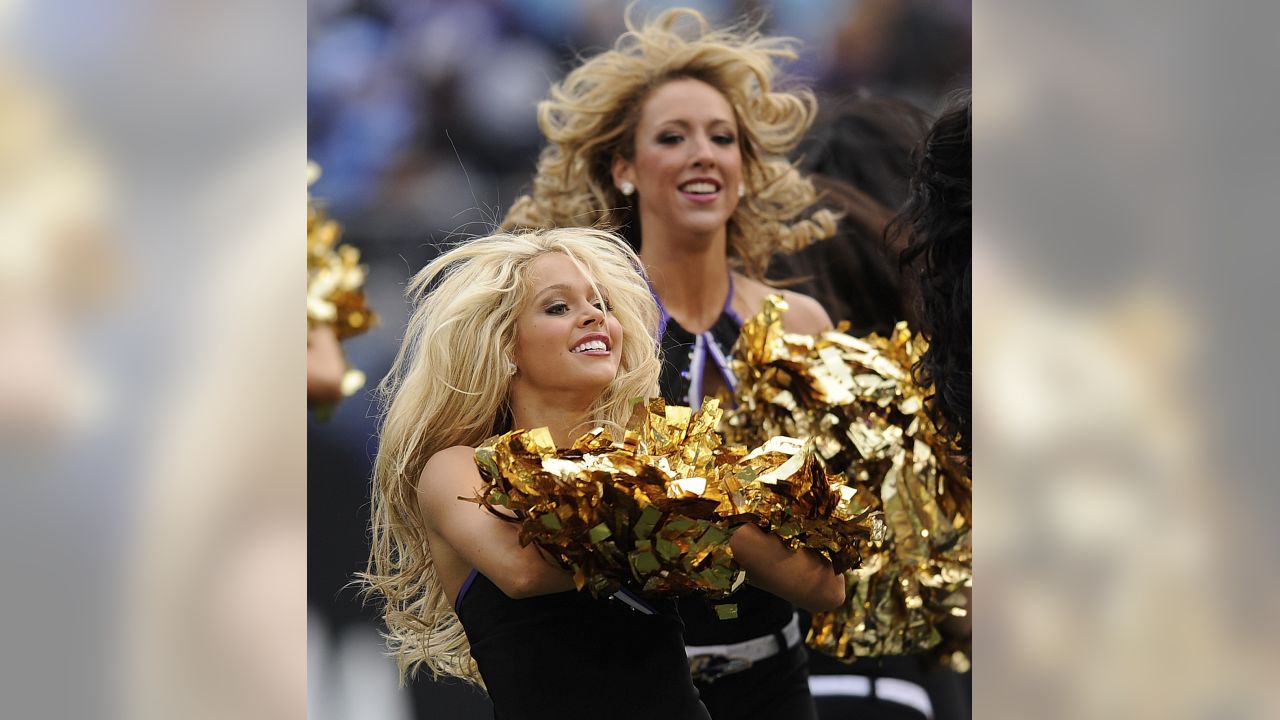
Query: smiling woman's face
[566,340]
[687,163]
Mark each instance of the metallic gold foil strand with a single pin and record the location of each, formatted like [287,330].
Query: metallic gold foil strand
[855,403]
[656,509]
[634,518]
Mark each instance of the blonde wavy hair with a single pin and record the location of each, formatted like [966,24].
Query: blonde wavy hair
[449,386]
[591,117]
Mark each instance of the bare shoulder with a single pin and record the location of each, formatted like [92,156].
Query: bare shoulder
[805,315]
[447,474]
[452,455]
[751,294]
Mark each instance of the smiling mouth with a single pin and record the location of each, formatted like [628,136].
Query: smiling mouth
[700,187]
[591,346]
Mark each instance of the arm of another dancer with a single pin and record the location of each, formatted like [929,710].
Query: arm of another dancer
[325,365]
[799,576]
[486,543]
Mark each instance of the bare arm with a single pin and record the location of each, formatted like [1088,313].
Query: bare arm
[325,365]
[801,577]
[486,543]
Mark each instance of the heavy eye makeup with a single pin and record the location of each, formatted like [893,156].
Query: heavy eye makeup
[718,136]
[559,307]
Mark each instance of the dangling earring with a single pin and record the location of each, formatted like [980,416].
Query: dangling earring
[626,188]
[742,190]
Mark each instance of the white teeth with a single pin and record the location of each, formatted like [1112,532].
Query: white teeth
[590,345]
[699,187]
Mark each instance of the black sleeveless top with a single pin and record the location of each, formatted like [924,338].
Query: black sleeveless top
[778,686]
[569,655]
[686,357]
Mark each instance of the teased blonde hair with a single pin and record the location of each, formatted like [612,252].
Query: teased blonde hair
[449,386]
[592,114]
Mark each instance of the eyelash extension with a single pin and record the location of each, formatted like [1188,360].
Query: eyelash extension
[555,308]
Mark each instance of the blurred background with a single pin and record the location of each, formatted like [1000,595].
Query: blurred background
[422,116]
[155,450]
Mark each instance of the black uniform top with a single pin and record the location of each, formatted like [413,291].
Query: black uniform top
[686,356]
[569,655]
[782,680]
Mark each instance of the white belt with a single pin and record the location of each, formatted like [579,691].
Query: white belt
[755,649]
[903,692]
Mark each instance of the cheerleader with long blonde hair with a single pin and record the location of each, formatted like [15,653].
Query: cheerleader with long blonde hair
[545,329]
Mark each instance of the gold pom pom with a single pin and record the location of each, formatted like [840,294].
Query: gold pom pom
[857,403]
[656,508]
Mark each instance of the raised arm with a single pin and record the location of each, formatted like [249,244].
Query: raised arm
[802,577]
[474,535]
